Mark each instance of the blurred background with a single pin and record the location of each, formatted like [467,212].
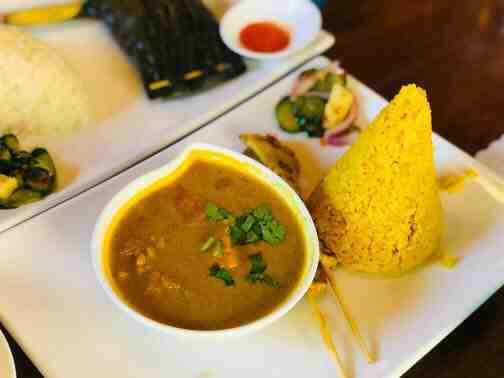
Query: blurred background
[454,49]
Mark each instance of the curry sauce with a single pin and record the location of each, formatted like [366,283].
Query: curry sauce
[175,257]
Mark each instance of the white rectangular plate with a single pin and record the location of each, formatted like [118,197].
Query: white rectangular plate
[52,303]
[130,127]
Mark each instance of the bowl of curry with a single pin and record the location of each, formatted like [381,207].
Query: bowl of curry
[213,243]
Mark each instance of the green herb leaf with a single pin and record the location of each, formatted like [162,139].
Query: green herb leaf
[268,280]
[222,274]
[215,212]
[263,278]
[251,237]
[263,212]
[236,234]
[248,223]
[208,244]
[257,272]
[258,224]
[273,232]
[219,250]
[258,263]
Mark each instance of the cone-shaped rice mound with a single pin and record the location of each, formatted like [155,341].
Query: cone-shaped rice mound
[378,209]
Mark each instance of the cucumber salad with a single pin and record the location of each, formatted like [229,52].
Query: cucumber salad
[25,177]
[322,105]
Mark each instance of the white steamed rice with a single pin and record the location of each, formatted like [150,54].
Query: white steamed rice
[40,94]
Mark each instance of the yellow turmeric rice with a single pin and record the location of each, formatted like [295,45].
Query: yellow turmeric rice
[378,209]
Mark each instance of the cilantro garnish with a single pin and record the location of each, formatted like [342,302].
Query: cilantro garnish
[218,250]
[263,278]
[222,274]
[247,223]
[257,262]
[255,225]
[215,212]
[273,232]
[236,234]
[208,244]
[263,212]
[257,272]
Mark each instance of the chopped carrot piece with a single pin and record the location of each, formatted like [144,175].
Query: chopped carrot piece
[230,259]
[188,204]
[226,241]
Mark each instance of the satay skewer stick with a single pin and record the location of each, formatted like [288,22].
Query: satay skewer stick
[325,333]
[348,316]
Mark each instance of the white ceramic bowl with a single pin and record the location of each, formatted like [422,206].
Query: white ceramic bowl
[257,170]
[301,18]
[7,367]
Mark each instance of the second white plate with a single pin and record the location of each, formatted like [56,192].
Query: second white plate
[131,127]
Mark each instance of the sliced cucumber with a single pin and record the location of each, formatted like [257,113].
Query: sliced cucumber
[11,142]
[33,172]
[18,174]
[327,83]
[311,108]
[285,116]
[22,197]
[5,167]
[39,180]
[21,159]
[42,159]
[314,129]
[5,153]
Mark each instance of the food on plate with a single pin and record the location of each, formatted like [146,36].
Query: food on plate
[210,247]
[265,37]
[454,183]
[44,15]
[41,94]
[275,155]
[378,209]
[449,261]
[175,44]
[24,177]
[322,105]
[338,106]
[270,151]
[7,186]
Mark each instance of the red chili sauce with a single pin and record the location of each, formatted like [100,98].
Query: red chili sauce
[264,37]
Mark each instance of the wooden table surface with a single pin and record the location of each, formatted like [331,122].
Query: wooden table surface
[455,50]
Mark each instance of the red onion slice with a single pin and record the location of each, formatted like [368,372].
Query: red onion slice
[340,140]
[324,95]
[305,82]
[335,68]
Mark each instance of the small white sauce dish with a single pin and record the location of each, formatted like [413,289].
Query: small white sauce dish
[263,174]
[301,18]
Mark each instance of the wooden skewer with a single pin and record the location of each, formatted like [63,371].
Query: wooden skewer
[324,331]
[348,316]
[493,190]
[493,186]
